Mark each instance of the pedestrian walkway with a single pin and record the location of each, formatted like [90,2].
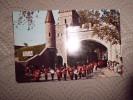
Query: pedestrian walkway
[97,74]
[109,73]
[101,73]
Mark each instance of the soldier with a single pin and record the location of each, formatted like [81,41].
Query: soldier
[91,67]
[46,74]
[61,70]
[71,74]
[68,68]
[58,74]
[76,73]
[32,68]
[52,73]
[84,68]
[27,70]
[65,73]
[42,68]
[80,72]
[36,75]
[87,69]
[95,66]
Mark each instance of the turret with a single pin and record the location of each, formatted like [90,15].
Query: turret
[50,30]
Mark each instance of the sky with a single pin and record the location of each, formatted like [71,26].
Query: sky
[33,36]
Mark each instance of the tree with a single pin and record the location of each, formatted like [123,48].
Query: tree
[88,16]
[112,17]
[107,32]
[26,17]
[106,23]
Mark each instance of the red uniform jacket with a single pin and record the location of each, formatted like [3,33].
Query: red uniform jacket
[58,73]
[71,73]
[45,73]
[65,71]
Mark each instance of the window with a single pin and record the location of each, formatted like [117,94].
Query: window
[65,21]
[49,34]
[57,34]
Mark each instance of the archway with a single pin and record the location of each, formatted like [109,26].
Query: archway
[89,51]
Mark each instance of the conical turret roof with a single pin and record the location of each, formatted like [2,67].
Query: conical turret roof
[49,17]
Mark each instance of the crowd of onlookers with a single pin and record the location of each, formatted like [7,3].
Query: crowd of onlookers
[115,66]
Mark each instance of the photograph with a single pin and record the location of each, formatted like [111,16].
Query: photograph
[67,45]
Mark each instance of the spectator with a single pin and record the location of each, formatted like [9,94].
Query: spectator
[120,68]
[116,67]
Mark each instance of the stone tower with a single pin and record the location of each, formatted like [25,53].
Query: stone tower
[66,18]
[50,30]
[69,17]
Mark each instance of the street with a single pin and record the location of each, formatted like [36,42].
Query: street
[99,73]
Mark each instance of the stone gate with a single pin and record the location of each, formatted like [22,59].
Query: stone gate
[113,51]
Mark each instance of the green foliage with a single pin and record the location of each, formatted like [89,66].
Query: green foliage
[111,18]
[88,16]
[36,50]
[107,32]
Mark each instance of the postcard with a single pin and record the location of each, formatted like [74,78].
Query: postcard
[67,45]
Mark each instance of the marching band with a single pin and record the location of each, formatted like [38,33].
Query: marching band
[69,72]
